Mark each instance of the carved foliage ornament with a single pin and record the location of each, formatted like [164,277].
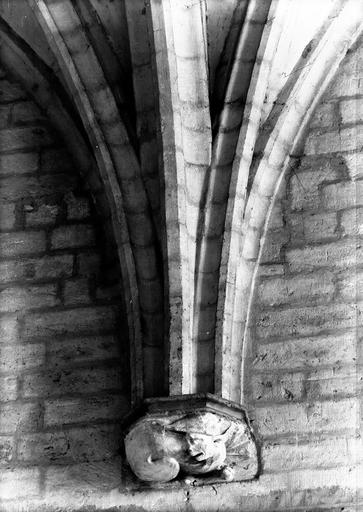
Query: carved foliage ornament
[191,437]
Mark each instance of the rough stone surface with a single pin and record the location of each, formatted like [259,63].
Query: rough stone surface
[61,358]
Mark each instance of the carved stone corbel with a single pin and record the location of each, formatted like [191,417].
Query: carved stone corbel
[197,438]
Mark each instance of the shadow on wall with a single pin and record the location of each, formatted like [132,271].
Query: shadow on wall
[63,337]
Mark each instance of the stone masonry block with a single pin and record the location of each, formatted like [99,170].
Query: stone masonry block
[26,112]
[323,116]
[83,349]
[78,208]
[88,263]
[34,188]
[54,160]
[70,322]
[24,138]
[19,417]
[15,359]
[22,243]
[71,381]
[41,215]
[313,227]
[8,388]
[10,92]
[72,445]
[8,329]
[338,255]
[33,269]
[77,291]
[299,289]
[71,237]
[18,483]
[346,139]
[354,163]
[315,454]
[286,387]
[32,297]
[350,285]
[351,110]
[326,416]
[19,163]
[7,445]
[309,352]
[334,382]
[7,216]
[306,320]
[87,409]
[338,196]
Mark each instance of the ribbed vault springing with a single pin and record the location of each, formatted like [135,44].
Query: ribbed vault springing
[190,152]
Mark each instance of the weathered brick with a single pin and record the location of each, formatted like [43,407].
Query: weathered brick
[32,269]
[4,115]
[323,116]
[345,139]
[24,242]
[18,358]
[298,289]
[32,297]
[80,350]
[306,320]
[314,455]
[34,188]
[72,445]
[342,254]
[313,227]
[275,269]
[53,160]
[78,410]
[70,322]
[42,215]
[303,418]
[72,237]
[71,381]
[78,208]
[354,163]
[347,82]
[17,483]
[8,388]
[20,417]
[351,110]
[61,481]
[24,138]
[351,285]
[333,350]
[7,216]
[77,291]
[10,91]
[20,163]
[286,387]
[305,186]
[9,329]
[25,112]
[7,449]
[346,194]
[339,381]
[352,222]
[88,263]
[275,241]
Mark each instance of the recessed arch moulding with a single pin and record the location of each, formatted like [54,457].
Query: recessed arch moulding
[188,175]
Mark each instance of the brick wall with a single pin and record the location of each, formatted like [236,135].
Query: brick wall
[63,369]
[305,378]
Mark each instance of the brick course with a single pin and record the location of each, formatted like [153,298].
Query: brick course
[59,345]
[304,378]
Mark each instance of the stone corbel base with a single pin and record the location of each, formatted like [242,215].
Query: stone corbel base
[194,438]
